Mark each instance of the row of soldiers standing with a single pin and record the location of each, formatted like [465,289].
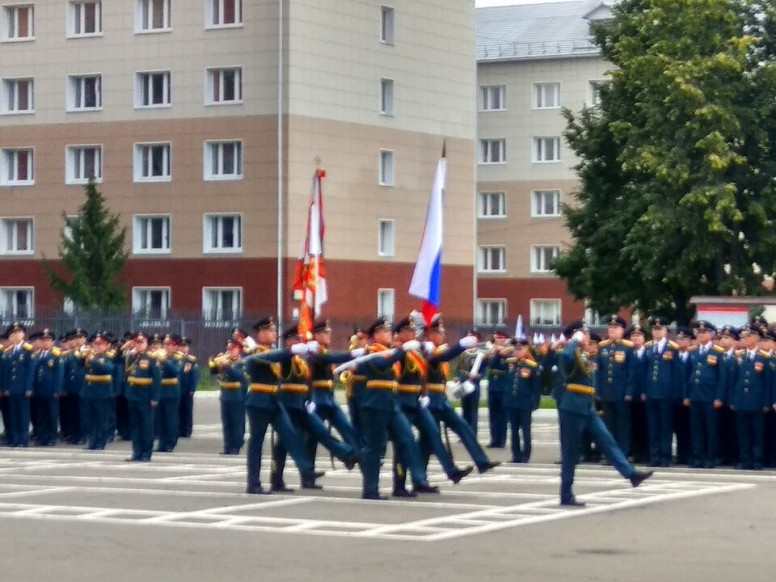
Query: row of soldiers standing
[90,388]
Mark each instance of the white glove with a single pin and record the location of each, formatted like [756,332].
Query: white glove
[358,352]
[412,345]
[249,343]
[310,407]
[467,342]
[299,349]
[429,347]
[312,345]
[424,401]
[578,336]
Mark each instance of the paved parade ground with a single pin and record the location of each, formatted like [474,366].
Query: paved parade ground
[69,514]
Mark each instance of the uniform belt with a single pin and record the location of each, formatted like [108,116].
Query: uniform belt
[357,378]
[580,389]
[230,385]
[169,382]
[295,388]
[435,387]
[132,381]
[97,379]
[382,384]
[263,388]
[408,388]
[324,384]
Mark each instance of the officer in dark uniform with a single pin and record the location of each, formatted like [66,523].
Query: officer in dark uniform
[355,385]
[728,437]
[120,389]
[76,382]
[577,413]
[470,403]
[144,385]
[19,376]
[99,390]
[522,400]
[681,418]
[47,387]
[704,395]
[188,383]
[637,335]
[233,382]
[167,413]
[615,374]
[5,437]
[499,381]
[660,389]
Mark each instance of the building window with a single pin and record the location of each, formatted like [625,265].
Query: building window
[224,305]
[546,95]
[18,96]
[492,259]
[385,238]
[594,88]
[542,257]
[386,170]
[152,162]
[16,303]
[151,234]
[224,13]
[86,18]
[222,233]
[16,236]
[17,167]
[152,15]
[151,302]
[491,311]
[545,311]
[386,96]
[386,24]
[386,299]
[83,164]
[223,160]
[84,92]
[19,23]
[546,149]
[224,86]
[493,97]
[493,151]
[153,89]
[592,317]
[545,203]
[492,205]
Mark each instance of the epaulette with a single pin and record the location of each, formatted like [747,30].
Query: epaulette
[627,343]
[8,350]
[178,355]
[605,343]
[27,346]
[718,349]
[692,349]
[649,344]
[191,358]
[111,354]
[56,352]
[530,363]
[764,354]
[673,345]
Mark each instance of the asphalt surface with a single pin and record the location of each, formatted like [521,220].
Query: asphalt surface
[72,515]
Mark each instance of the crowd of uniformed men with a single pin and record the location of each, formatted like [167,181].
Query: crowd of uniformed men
[712,392]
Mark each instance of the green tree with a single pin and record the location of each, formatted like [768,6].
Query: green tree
[676,197]
[92,256]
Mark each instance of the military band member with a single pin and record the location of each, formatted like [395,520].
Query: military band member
[167,414]
[615,377]
[470,403]
[100,381]
[47,387]
[522,400]
[233,384]
[577,413]
[189,382]
[499,382]
[75,383]
[355,385]
[120,389]
[144,377]
[19,376]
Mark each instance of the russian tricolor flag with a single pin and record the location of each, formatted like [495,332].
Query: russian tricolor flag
[427,279]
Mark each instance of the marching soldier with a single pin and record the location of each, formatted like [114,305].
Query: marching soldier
[616,369]
[189,382]
[355,385]
[99,389]
[233,382]
[19,376]
[470,403]
[498,384]
[144,377]
[47,387]
[171,360]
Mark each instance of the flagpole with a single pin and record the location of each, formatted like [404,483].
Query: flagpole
[281,209]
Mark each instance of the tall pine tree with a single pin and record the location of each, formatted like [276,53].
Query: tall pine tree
[92,256]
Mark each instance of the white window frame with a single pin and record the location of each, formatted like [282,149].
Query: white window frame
[484,311]
[538,202]
[541,146]
[386,297]
[210,85]
[75,164]
[490,154]
[387,25]
[143,164]
[490,94]
[73,83]
[537,315]
[387,97]
[145,87]
[9,167]
[137,304]
[485,258]
[7,222]
[386,168]
[11,13]
[145,25]
[11,93]
[538,258]
[217,22]
[211,219]
[14,313]
[542,90]
[211,313]
[76,17]
[485,204]
[141,245]
[592,318]
[210,174]
[386,237]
